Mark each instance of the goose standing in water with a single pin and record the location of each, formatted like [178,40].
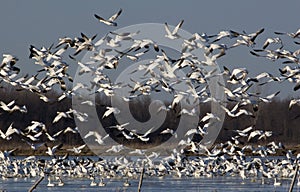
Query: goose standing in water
[93,182]
[276,183]
[126,183]
[49,183]
[60,182]
[101,184]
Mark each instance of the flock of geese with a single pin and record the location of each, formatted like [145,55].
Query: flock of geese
[224,159]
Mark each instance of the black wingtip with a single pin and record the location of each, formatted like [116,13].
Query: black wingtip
[278,33]
[97,16]
[297,86]
[255,54]
[261,30]
[71,57]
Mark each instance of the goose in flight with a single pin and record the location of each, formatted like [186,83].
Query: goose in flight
[293,35]
[260,133]
[110,110]
[143,137]
[98,138]
[294,102]
[11,130]
[247,39]
[34,137]
[115,148]
[33,146]
[244,132]
[61,115]
[223,34]
[124,36]
[192,131]
[138,152]
[54,136]
[191,112]
[272,40]
[169,131]
[72,130]
[84,43]
[177,99]
[128,136]
[210,60]
[50,151]
[120,127]
[8,59]
[238,113]
[173,35]
[209,116]
[66,40]
[77,150]
[110,21]
[268,98]
[5,154]
[35,127]
[11,107]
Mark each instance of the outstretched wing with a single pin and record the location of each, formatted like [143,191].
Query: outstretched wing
[115,16]
[177,27]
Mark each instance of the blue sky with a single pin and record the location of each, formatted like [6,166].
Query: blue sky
[41,23]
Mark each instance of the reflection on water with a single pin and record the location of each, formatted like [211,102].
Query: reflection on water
[152,184]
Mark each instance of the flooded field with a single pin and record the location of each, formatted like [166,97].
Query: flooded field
[153,184]
[180,178]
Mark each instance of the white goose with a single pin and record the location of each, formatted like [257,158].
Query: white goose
[173,34]
[276,183]
[109,21]
[60,182]
[101,184]
[49,183]
[93,182]
[126,183]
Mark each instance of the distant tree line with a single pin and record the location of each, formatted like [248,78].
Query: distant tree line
[274,116]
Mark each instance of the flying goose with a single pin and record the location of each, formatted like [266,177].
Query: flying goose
[51,151]
[173,34]
[293,35]
[110,21]
[77,150]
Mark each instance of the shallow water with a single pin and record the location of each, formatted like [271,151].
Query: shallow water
[151,184]
[167,183]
